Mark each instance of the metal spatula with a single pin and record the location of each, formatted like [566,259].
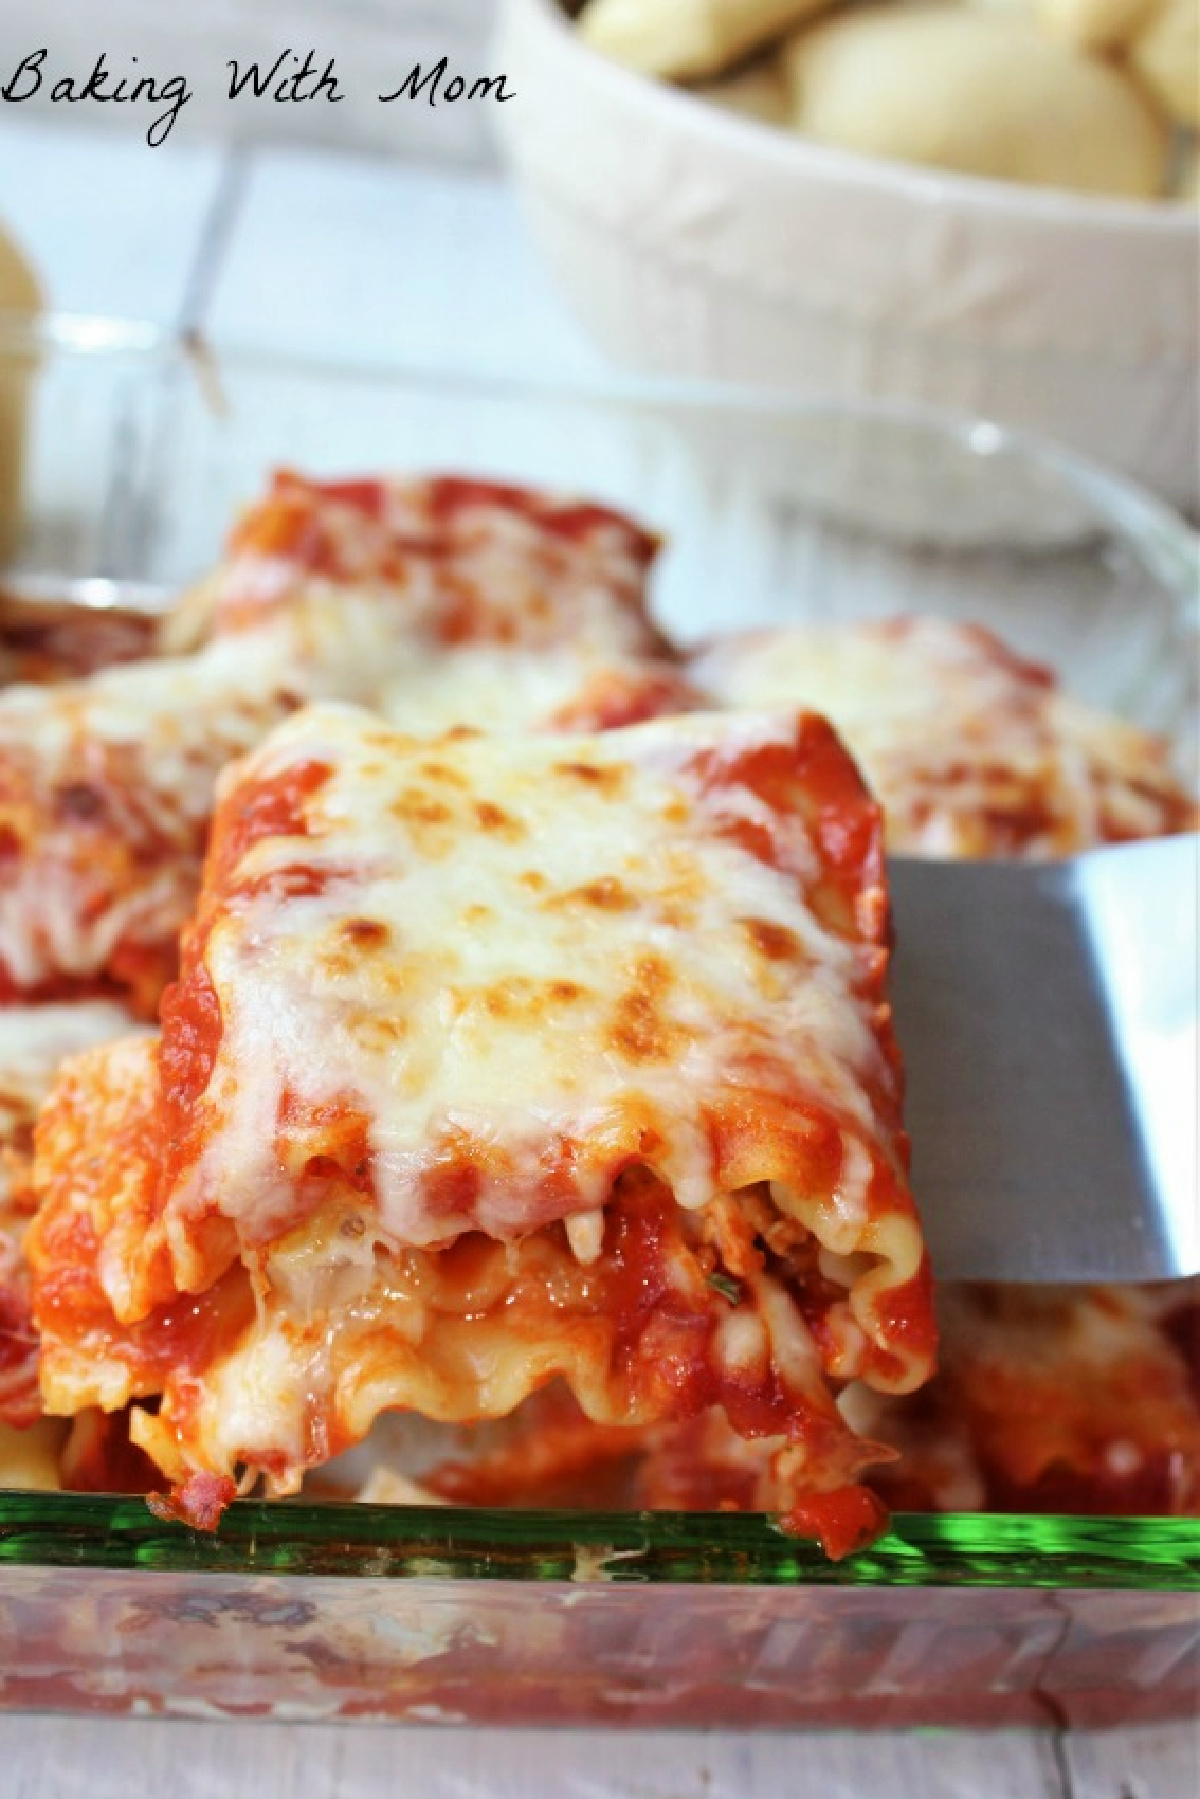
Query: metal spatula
[1048,1020]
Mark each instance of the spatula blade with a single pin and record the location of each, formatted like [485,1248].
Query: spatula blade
[1048,1019]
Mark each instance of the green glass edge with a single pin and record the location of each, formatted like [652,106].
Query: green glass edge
[369,1542]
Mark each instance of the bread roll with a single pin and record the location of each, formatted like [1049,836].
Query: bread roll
[1094,24]
[688,40]
[19,292]
[1166,55]
[757,92]
[979,92]
[1160,37]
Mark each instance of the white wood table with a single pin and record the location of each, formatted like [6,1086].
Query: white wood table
[56,1758]
[300,250]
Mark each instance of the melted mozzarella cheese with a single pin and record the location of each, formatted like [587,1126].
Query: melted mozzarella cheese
[485,687]
[118,769]
[543,948]
[970,750]
[142,745]
[34,1041]
[443,603]
[874,683]
[448,561]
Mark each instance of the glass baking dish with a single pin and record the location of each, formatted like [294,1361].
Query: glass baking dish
[137,451]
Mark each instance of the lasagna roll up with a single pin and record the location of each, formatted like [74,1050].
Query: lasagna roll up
[495,1061]
[432,600]
[971,750]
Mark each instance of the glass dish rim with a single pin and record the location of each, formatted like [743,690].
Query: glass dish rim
[740,1551]
[1169,545]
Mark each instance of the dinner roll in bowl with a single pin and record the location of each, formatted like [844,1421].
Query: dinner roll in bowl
[1166,55]
[697,243]
[980,93]
[688,39]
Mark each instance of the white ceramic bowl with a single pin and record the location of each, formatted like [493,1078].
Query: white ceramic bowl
[693,242]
